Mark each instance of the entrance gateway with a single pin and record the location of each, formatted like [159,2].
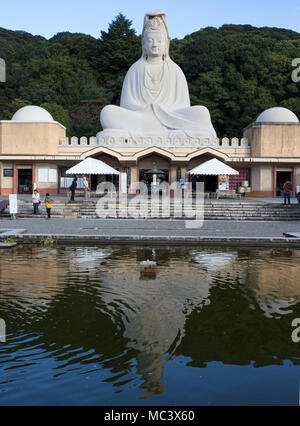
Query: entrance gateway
[25,185]
[154,169]
[282,175]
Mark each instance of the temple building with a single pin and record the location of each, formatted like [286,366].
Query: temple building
[35,152]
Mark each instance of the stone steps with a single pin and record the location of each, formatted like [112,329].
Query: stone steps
[212,211]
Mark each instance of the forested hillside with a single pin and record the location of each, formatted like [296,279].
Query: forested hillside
[237,71]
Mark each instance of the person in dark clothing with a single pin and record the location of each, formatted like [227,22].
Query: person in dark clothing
[298,197]
[287,192]
[73,189]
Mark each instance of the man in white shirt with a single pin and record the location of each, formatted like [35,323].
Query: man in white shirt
[36,199]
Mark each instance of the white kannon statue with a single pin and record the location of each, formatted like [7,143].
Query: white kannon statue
[155,98]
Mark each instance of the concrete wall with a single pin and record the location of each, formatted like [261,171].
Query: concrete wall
[147,163]
[6,183]
[253,134]
[262,179]
[110,160]
[30,138]
[195,162]
[274,140]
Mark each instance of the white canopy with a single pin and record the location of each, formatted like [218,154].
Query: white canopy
[90,166]
[213,168]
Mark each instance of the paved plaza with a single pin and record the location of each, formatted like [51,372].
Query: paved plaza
[255,232]
[151,229]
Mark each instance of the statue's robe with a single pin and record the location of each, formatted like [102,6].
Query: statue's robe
[169,112]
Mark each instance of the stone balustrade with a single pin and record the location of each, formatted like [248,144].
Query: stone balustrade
[149,141]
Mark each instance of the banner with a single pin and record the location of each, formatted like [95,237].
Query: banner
[13,204]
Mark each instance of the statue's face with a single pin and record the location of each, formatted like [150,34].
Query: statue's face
[155,43]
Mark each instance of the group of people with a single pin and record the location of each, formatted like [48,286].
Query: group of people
[73,188]
[36,198]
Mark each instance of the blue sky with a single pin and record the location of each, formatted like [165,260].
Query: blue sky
[184,16]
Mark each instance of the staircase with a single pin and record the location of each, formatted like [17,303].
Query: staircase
[214,210]
[251,211]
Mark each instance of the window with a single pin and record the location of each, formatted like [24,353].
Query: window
[43,175]
[52,175]
[47,175]
[66,180]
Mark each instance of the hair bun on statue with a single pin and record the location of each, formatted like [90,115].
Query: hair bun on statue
[155,21]
[154,24]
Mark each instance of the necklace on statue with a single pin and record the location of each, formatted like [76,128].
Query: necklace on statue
[153,79]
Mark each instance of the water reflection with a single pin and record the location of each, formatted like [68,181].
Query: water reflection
[154,312]
[89,312]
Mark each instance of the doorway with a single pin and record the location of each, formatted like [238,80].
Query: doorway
[97,179]
[282,177]
[210,182]
[148,179]
[24,181]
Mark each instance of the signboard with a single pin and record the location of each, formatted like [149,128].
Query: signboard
[13,204]
[8,172]
[183,183]
[224,183]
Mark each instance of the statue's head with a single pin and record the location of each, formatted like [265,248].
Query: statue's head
[155,37]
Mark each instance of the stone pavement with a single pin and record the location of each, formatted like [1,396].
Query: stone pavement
[154,230]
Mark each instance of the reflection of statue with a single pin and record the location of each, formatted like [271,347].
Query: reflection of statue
[155,98]
[154,314]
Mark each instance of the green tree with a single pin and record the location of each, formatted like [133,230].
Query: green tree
[118,49]
[58,114]
[237,71]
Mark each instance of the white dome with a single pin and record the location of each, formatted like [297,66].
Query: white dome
[277,115]
[32,114]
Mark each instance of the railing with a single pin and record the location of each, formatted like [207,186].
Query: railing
[157,141]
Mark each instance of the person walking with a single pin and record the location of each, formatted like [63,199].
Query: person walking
[48,203]
[73,188]
[36,200]
[298,197]
[287,193]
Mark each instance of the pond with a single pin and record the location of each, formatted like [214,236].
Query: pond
[87,326]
